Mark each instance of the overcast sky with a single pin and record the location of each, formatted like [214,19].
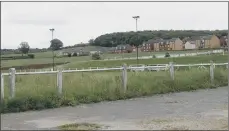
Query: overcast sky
[78,22]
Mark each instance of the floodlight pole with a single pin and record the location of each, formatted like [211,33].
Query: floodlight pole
[136,18]
[228,54]
[52,30]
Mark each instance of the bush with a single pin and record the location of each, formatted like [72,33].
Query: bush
[69,54]
[74,54]
[96,56]
[15,57]
[31,55]
[167,54]
[154,56]
[84,54]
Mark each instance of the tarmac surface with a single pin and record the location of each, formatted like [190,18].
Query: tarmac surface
[202,109]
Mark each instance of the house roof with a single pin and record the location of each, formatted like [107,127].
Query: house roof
[152,41]
[86,49]
[112,48]
[173,39]
[123,45]
[208,37]
[196,38]
[192,42]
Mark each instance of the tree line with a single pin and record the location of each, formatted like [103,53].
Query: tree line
[137,38]
[24,48]
[117,38]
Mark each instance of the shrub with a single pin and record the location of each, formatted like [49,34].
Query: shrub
[167,54]
[31,55]
[96,56]
[69,55]
[15,57]
[84,54]
[74,54]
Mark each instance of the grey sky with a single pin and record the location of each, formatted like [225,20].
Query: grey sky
[78,22]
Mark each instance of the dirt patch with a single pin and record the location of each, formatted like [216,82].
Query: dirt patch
[212,120]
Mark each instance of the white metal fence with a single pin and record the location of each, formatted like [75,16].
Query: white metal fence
[12,73]
[171,55]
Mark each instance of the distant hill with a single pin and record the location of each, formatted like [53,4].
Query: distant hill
[87,49]
[133,38]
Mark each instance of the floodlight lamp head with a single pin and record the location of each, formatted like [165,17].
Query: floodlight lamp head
[136,17]
[52,29]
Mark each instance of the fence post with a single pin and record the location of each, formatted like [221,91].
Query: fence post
[2,86]
[124,77]
[12,82]
[59,81]
[171,70]
[211,71]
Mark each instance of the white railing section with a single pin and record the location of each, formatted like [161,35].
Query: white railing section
[12,73]
[171,55]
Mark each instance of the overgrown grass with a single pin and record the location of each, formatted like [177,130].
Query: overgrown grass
[35,92]
[80,126]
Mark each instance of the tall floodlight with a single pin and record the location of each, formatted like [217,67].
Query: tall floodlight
[52,30]
[136,18]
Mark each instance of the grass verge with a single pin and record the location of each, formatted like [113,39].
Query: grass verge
[80,126]
[36,92]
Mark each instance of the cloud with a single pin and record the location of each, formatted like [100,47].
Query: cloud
[76,22]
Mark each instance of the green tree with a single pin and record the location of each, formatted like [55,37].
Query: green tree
[24,47]
[56,44]
[137,38]
[91,41]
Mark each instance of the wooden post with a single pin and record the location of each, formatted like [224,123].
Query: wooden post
[12,82]
[171,70]
[59,81]
[2,86]
[212,72]
[124,78]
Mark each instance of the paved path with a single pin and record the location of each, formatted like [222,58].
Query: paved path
[129,114]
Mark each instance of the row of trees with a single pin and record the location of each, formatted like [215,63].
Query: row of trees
[56,44]
[137,38]
[132,38]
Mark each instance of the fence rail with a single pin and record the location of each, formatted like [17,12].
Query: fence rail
[12,73]
[171,55]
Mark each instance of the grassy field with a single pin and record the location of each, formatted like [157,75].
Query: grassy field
[178,60]
[46,57]
[134,54]
[34,92]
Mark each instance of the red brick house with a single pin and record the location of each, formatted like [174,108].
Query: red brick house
[122,49]
[150,45]
[223,41]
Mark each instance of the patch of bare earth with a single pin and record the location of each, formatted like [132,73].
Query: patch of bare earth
[212,120]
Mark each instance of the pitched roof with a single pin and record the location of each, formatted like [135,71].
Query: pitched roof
[122,45]
[192,42]
[152,41]
[195,38]
[173,39]
[208,37]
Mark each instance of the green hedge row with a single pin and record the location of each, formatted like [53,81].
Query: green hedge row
[29,56]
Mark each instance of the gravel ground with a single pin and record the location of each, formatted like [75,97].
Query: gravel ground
[203,109]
